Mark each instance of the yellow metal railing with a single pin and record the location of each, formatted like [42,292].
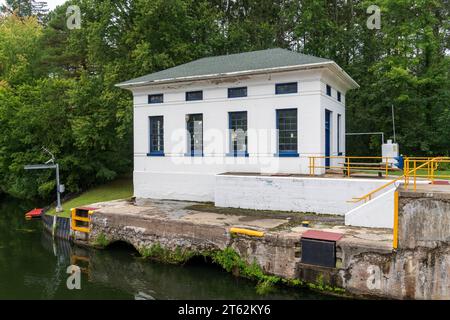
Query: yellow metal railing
[81,219]
[351,165]
[412,165]
[424,168]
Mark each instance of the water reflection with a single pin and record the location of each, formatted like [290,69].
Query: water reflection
[33,266]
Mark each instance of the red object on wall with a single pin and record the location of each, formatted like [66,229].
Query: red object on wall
[322,235]
[35,213]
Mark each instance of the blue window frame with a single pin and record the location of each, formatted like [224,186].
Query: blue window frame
[328,90]
[286,88]
[237,92]
[339,120]
[156,136]
[339,96]
[328,118]
[238,134]
[155,98]
[194,95]
[287,133]
[194,126]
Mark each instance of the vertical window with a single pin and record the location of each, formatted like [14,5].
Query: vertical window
[156,136]
[155,98]
[328,90]
[339,134]
[339,96]
[237,92]
[194,95]
[287,132]
[194,124]
[238,134]
[285,88]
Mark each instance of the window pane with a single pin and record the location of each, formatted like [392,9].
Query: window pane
[195,134]
[238,133]
[237,92]
[339,96]
[194,95]
[155,98]
[156,134]
[287,130]
[328,90]
[285,88]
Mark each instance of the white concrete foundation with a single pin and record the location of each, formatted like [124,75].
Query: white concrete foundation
[302,194]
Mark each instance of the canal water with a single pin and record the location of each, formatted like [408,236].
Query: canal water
[33,266]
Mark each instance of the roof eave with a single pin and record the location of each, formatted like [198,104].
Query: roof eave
[352,84]
[331,64]
[126,85]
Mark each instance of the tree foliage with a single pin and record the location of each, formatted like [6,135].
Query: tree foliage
[57,85]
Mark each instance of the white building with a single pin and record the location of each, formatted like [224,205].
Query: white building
[255,112]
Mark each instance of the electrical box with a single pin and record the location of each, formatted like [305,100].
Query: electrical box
[390,150]
[319,252]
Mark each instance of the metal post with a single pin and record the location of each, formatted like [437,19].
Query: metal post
[58,191]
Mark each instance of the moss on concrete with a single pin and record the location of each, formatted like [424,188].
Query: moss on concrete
[100,241]
[159,253]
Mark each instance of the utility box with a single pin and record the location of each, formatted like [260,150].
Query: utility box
[390,150]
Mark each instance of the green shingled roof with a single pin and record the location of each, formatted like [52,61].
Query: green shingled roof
[248,61]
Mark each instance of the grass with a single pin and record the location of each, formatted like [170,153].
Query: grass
[115,190]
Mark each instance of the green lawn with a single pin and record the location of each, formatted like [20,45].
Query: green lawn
[445,174]
[115,190]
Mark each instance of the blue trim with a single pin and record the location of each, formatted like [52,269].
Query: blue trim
[238,154]
[231,96]
[282,154]
[156,154]
[287,154]
[156,95]
[193,154]
[188,93]
[328,119]
[290,85]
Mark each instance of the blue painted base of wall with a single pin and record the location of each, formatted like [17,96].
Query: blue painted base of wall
[63,230]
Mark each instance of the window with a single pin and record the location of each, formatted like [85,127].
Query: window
[328,90]
[287,132]
[194,124]
[155,98]
[339,96]
[237,92]
[238,134]
[156,136]
[339,135]
[285,88]
[194,95]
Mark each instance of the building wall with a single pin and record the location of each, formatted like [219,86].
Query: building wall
[299,194]
[177,176]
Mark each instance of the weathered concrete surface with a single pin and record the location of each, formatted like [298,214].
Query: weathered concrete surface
[366,264]
[424,217]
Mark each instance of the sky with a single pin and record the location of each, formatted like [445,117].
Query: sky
[51,3]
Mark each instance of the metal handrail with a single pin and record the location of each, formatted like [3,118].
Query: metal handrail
[406,176]
[347,166]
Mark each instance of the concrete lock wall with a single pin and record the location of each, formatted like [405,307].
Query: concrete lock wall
[424,219]
[302,194]
[261,105]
